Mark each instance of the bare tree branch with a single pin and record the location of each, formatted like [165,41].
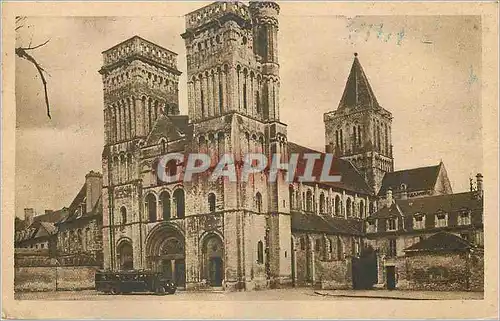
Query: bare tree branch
[21,52]
[35,47]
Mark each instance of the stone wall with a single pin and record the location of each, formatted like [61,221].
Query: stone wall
[334,274]
[51,278]
[477,272]
[444,272]
[323,268]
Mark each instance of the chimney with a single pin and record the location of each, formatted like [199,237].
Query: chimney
[404,193]
[29,213]
[388,197]
[479,183]
[93,183]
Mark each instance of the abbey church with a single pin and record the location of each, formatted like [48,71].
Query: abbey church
[376,227]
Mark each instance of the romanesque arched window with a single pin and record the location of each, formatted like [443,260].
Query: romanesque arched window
[150,206]
[88,239]
[337,205]
[348,207]
[260,252]
[322,203]
[291,195]
[340,249]
[221,95]
[302,243]
[163,146]
[79,234]
[165,205]
[317,245]
[354,136]
[258,202]
[361,209]
[179,203]
[309,200]
[171,168]
[123,213]
[211,202]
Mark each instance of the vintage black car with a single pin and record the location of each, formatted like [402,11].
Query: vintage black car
[118,282]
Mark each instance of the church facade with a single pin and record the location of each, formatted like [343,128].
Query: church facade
[243,234]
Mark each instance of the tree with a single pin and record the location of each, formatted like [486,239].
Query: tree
[22,52]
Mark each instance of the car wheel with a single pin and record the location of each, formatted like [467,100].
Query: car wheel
[113,291]
[171,291]
[160,290]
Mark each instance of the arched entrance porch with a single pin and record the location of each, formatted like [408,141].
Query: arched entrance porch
[125,255]
[213,259]
[165,250]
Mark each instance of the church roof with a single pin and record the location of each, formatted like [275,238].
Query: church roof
[358,91]
[326,224]
[415,179]
[170,127]
[442,241]
[351,179]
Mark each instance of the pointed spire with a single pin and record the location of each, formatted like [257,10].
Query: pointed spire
[358,91]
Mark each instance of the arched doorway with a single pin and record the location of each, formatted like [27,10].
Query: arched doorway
[125,256]
[166,253]
[213,264]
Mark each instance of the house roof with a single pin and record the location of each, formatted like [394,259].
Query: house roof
[415,179]
[358,91]
[325,224]
[77,212]
[442,241]
[432,204]
[351,179]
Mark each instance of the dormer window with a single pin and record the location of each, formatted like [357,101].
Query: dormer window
[441,220]
[392,224]
[464,218]
[418,222]
[371,227]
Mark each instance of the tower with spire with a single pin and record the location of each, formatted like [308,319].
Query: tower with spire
[359,130]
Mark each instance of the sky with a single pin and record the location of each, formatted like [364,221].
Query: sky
[426,70]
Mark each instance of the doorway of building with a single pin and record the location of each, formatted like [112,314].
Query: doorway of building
[215,271]
[166,254]
[213,250]
[391,277]
[180,272]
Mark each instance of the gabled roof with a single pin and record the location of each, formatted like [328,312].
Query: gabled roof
[358,91]
[415,179]
[78,213]
[325,224]
[351,179]
[46,229]
[170,127]
[433,204]
[442,241]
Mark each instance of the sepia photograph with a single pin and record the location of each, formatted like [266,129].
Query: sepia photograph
[343,154]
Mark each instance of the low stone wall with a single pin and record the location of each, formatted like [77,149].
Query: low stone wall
[477,272]
[40,278]
[333,275]
[51,278]
[445,272]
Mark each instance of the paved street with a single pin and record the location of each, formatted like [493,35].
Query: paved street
[299,294]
